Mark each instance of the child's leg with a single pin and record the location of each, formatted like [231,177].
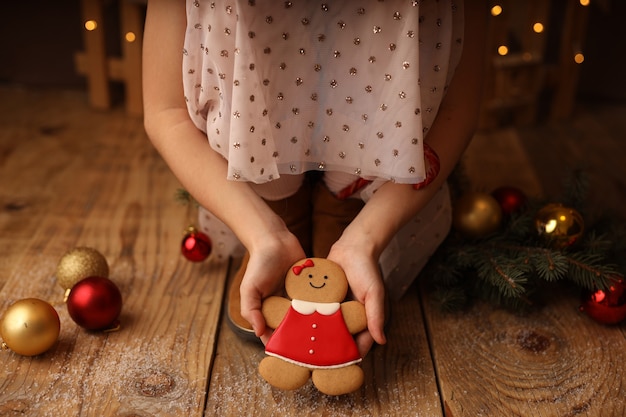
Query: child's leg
[409,251]
[336,182]
[283,187]
[332,215]
[290,198]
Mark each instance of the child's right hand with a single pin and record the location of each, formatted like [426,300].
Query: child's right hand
[265,275]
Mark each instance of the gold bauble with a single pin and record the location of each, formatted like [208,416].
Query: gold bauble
[80,263]
[559,225]
[30,327]
[476,215]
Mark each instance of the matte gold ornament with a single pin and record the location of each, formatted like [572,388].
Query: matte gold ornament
[30,327]
[476,215]
[561,226]
[79,263]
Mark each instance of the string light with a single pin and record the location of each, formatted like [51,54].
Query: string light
[130,37]
[538,27]
[496,10]
[503,50]
[584,2]
[91,25]
[579,58]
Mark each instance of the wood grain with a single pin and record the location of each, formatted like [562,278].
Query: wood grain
[554,361]
[73,176]
[93,179]
[399,377]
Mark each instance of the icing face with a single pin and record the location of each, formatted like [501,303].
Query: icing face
[318,280]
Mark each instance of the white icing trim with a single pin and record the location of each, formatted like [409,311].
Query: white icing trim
[309,366]
[308,307]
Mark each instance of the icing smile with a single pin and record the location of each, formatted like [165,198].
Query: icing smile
[316,287]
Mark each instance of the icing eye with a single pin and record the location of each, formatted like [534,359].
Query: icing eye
[310,276]
[325,276]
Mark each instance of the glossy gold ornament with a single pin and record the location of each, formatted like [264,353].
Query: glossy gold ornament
[561,226]
[79,263]
[30,327]
[476,215]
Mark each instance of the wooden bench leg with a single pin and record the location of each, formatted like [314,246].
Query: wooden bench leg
[131,16]
[95,62]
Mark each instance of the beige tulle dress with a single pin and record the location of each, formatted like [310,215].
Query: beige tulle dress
[286,87]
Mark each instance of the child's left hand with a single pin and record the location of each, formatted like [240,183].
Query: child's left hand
[366,286]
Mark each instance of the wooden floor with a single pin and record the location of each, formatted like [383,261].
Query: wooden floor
[71,176]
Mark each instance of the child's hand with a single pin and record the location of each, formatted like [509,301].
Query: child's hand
[265,275]
[366,285]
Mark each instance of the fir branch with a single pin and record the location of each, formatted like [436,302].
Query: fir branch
[598,244]
[588,271]
[463,257]
[450,299]
[519,226]
[506,268]
[507,276]
[549,265]
[184,197]
[443,274]
[493,295]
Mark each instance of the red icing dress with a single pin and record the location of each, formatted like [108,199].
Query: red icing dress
[314,335]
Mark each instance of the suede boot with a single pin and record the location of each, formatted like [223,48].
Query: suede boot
[296,213]
[331,216]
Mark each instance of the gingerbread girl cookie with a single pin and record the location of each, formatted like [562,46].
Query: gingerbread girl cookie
[313,336]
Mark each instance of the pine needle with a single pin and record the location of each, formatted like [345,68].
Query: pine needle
[184,197]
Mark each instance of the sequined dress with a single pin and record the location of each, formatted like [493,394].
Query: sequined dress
[285,87]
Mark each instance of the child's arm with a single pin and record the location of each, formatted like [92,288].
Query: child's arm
[360,246]
[203,171]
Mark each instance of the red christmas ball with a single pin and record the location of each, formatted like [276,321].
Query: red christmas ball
[95,303]
[606,306]
[510,199]
[196,246]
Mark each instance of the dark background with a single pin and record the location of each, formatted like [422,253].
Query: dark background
[38,40]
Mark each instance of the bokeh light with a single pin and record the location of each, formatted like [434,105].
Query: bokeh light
[91,25]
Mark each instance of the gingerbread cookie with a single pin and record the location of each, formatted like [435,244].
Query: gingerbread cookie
[313,336]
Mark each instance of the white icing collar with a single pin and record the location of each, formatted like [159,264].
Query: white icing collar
[308,307]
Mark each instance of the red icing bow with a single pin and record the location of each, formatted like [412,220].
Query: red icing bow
[298,268]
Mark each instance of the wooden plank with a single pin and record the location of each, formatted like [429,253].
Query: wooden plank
[71,176]
[109,190]
[554,361]
[399,376]
[26,176]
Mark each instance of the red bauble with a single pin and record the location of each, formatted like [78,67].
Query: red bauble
[196,246]
[95,303]
[606,306]
[510,199]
